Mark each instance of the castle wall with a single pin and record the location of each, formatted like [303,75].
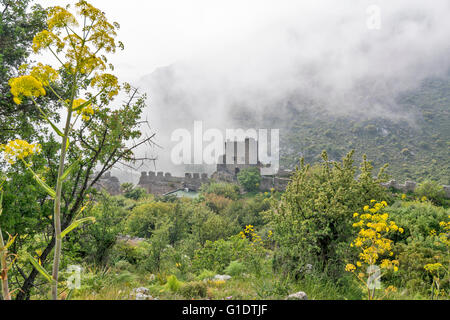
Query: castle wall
[161,183]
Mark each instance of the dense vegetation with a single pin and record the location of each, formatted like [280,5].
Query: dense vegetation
[271,244]
[326,234]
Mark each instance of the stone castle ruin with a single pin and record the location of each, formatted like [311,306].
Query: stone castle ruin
[239,155]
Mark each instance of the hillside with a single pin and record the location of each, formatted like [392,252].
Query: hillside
[415,146]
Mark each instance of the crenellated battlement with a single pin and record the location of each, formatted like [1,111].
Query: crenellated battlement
[162,183]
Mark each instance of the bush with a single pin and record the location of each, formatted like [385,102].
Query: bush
[433,191]
[208,226]
[127,251]
[218,255]
[313,222]
[206,275]
[419,244]
[418,219]
[227,190]
[173,284]
[192,290]
[122,265]
[97,240]
[248,211]
[235,268]
[217,203]
[135,193]
[250,179]
[144,218]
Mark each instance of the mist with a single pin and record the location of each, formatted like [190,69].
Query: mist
[207,60]
[316,54]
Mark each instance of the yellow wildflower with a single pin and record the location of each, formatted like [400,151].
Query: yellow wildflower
[26,86]
[59,17]
[350,268]
[19,150]
[44,74]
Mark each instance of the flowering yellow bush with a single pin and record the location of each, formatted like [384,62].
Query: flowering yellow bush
[373,246]
[250,233]
[18,150]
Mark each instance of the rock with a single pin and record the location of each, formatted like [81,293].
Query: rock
[219,277]
[141,293]
[141,290]
[410,186]
[298,296]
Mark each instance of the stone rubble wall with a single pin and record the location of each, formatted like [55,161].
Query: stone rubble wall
[409,186]
[161,183]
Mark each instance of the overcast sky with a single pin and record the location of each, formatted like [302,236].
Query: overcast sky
[157,33]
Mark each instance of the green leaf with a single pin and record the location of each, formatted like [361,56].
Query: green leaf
[58,132]
[69,170]
[49,190]
[10,242]
[76,224]
[82,106]
[40,269]
[45,186]
[69,296]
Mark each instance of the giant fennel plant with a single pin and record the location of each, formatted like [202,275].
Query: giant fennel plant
[78,39]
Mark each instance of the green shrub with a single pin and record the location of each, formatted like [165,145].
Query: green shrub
[218,255]
[217,203]
[144,218]
[195,289]
[206,275]
[97,240]
[418,219]
[432,190]
[235,268]
[208,226]
[173,284]
[122,265]
[227,190]
[248,211]
[135,193]
[312,224]
[250,179]
[130,252]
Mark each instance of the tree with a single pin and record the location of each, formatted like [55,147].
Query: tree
[101,137]
[250,179]
[311,224]
[18,25]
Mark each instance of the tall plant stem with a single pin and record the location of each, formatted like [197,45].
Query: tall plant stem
[4,272]
[58,191]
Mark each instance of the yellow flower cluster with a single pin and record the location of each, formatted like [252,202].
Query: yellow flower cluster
[433,268]
[59,17]
[45,74]
[371,240]
[85,112]
[108,83]
[250,233]
[45,39]
[26,86]
[19,150]
[444,236]
[103,32]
